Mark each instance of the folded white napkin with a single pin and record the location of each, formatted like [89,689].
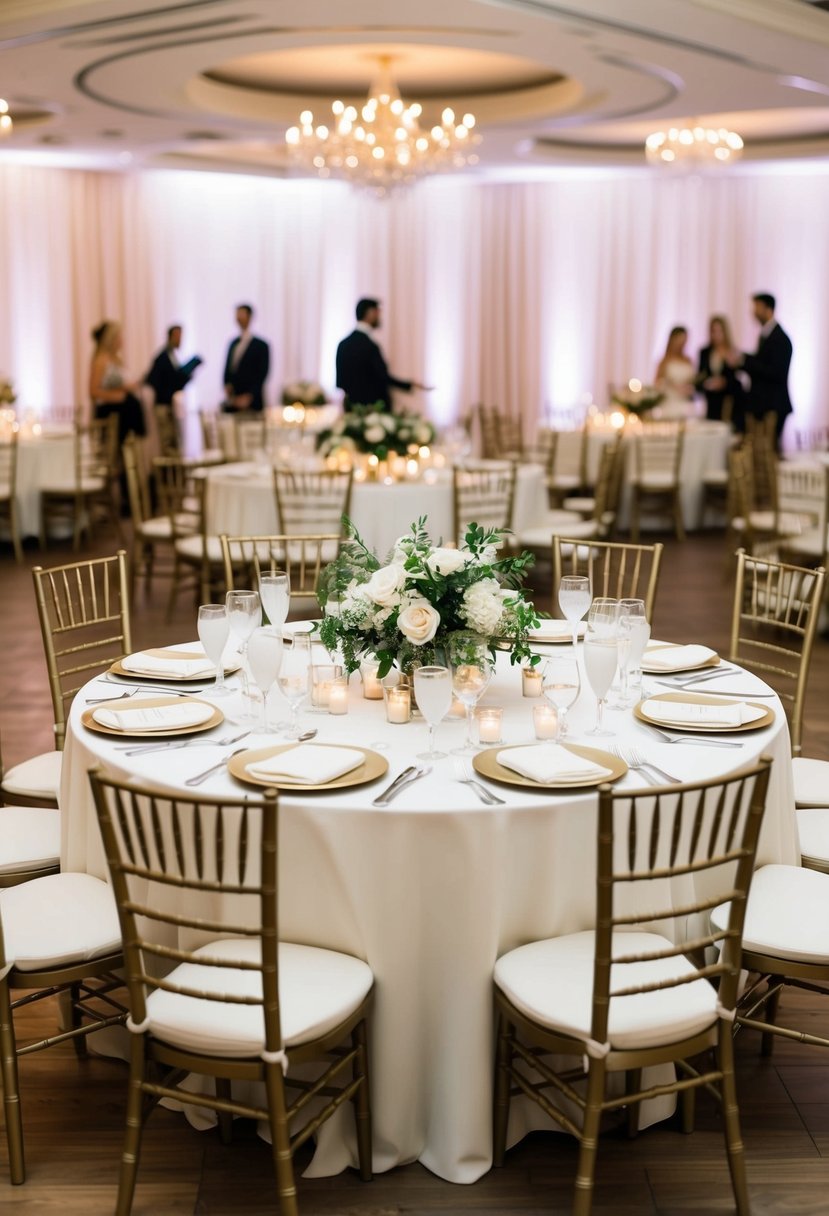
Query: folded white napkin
[548,763]
[683,713]
[154,717]
[308,764]
[170,664]
[676,658]
[555,630]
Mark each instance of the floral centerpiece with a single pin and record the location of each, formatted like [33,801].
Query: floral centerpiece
[7,393]
[304,392]
[373,431]
[405,609]
[637,398]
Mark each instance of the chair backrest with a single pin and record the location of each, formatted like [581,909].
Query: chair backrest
[773,627]
[488,424]
[167,426]
[221,856]
[570,456]
[812,439]
[543,452]
[302,557]
[665,859]
[761,440]
[210,430]
[251,437]
[483,494]
[803,497]
[85,624]
[138,489]
[657,451]
[8,466]
[617,570]
[312,502]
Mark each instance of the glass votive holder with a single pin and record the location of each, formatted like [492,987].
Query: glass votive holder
[338,696]
[488,723]
[545,721]
[398,703]
[323,677]
[530,681]
[372,688]
[457,710]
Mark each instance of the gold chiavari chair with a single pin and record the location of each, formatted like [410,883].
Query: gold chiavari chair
[312,502]
[243,1005]
[637,991]
[539,535]
[89,493]
[8,492]
[152,535]
[619,570]
[84,615]
[251,436]
[197,554]
[483,494]
[303,558]
[29,835]
[567,473]
[657,455]
[585,504]
[488,428]
[761,442]
[168,430]
[211,435]
[803,497]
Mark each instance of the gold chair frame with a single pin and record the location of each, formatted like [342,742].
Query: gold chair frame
[245,558]
[662,442]
[184,844]
[84,604]
[657,836]
[483,494]
[312,502]
[557,493]
[502,435]
[617,569]
[8,481]
[95,458]
[168,430]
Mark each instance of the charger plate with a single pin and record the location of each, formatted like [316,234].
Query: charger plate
[486,764]
[714,661]
[704,728]
[373,766]
[120,703]
[118,668]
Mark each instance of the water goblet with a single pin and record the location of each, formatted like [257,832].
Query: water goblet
[433,691]
[600,665]
[275,594]
[560,684]
[574,599]
[294,677]
[471,665]
[265,659]
[633,622]
[214,630]
[244,614]
[603,616]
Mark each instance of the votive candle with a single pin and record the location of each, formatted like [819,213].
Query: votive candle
[398,705]
[545,721]
[489,724]
[338,697]
[530,682]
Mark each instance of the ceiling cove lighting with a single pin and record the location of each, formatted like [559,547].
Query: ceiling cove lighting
[697,145]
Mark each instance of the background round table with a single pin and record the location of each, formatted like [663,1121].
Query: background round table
[41,460]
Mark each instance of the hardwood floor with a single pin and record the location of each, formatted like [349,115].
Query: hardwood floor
[73,1110]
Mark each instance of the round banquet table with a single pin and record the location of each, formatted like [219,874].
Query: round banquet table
[41,460]
[430,891]
[241,502]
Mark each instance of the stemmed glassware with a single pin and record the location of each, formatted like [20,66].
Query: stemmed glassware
[632,639]
[275,594]
[560,684]
[433,690]
[265,658]
[244,613]
[294,678]
[471,665]
[574,599]
[600,654]
[214,630]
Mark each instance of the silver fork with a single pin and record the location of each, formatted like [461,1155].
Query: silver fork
[694,740]
[214,768]
[174,744]
[463,773]
[634,759]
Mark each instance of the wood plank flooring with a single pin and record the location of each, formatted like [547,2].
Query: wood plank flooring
[73,1110]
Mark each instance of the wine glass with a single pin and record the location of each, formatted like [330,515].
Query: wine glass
[471,665]
[244,613]
[603,617]
[632,638]
[433,691]
[600,662]
[560,684]
[574,599]
[294,677]
[275,594]
[265,659]
[214,630]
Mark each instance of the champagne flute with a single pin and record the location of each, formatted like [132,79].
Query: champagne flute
[574,599]
[433,691]
[603,617]
[600,664]
[471,665]
[265,658]
[214,630]
[244,612]
[294,677]
[561,685]
[275,594]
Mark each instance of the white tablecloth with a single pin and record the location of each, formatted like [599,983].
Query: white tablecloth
[429,891]
[240,502]
[41,461]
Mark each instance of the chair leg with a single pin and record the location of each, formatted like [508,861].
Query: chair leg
[772,1005]
[731,1120]
[634,515]
[502,1091]
[225,1117]
[679,524]
[280,1141]
[589,1140]
[14,528]
[362,1102]
[79,1043]
[633,1083]
[11,1088]
[135,1123]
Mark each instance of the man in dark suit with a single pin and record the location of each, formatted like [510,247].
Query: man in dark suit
[362,372]
[769,366]
[167,376]
[246,367]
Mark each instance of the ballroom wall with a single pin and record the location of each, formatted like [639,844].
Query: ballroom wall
[527,294]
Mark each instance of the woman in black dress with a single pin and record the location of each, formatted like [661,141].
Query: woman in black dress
[716,380]
[110,387]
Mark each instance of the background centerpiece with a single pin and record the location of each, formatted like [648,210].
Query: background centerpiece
[374,432]
[404,610]
[637,398]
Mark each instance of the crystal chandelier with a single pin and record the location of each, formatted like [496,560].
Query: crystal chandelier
[693,145]
[6,123]
[382,145]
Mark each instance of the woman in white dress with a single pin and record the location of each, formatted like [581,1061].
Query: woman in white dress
[675,377]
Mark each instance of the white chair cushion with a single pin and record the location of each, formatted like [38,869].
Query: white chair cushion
[59,920]
[191,547]
[29,838]
[541,535]
[656,481]
[716,477]
[159,528]
[811,781]
[811,543]
[88,485]
[787,914]
[813,830]
[563,481]
[552,983]
[318,989]
[581,505]
[38,777]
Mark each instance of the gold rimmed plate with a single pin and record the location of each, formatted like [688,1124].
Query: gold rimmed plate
[654,648]
[121,703]
[487,765]
[374,765]
[161,677]
[765,716]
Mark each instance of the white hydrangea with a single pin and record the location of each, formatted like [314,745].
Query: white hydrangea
[375,434]
[483,606]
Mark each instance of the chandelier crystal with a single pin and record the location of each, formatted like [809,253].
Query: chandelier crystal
[6,123]
[382,145]
[693,145]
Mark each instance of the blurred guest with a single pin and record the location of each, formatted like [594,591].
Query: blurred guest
[362,372]
[675,377]
[716,379]
[111,388]
[246,366]
[168,376]
[768,367]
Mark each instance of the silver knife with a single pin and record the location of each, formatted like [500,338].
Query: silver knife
[406,778]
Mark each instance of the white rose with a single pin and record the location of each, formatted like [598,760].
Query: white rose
[339,426]
[482,606]
[446,561]
[387,421]
[375,434]
[419,622]
[384,585]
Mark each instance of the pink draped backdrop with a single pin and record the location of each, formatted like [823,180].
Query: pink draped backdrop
[529,295]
